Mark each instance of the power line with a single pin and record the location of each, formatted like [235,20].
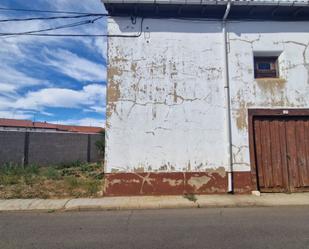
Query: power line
[53,28]
[78,35]
[69,35]
[37,32]
[49,18]
[50,11]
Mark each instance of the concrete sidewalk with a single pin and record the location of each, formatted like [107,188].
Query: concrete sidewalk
[155,202]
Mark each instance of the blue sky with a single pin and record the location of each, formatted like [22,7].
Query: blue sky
[53,79]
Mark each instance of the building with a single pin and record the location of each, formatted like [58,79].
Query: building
[207,96]
[28,125]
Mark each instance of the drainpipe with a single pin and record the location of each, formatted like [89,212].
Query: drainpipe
[227,99]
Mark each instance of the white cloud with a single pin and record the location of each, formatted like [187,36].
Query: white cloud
[20,49]
[17,79]
[17,51]
[8,111]
[89,98]
[15,114]
[61,97]
[10,50]
[75,66]
[95,6]
[6,102]
[7,88]
[99,109]
[99,44]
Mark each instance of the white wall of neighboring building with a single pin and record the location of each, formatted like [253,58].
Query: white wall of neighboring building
[166,109]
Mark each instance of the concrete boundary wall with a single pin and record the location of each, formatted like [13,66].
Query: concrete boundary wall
[42,148]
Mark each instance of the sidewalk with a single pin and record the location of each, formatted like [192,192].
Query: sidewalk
[155,202]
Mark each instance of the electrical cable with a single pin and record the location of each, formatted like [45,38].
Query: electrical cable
[38,32]
[54,28]
[34,32]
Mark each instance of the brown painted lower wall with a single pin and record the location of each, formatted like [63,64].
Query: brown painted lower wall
[176,183]
[242,182]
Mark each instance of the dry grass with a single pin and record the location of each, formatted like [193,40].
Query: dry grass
[73,180]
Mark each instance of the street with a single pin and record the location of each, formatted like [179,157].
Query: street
[212,228]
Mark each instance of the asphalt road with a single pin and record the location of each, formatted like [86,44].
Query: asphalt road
[231,228]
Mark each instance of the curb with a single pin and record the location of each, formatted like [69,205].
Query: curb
[32,204]
[129,203]
[155,202]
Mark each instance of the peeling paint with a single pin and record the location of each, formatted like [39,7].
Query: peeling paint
[242,115]
[288,91]
[163,183]
[115,170]
[272,85]
[166,109]
[221,171]
[139,169]
[199,182]
[173,182]
[134,69]
[166,106]
[113,90]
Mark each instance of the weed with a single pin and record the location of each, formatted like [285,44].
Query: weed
[100,144]
[11,174]
[72,182]
[9,179]
[86,167]
[96,175]
[52,174]
[190,197]
[31,169]
[74,164]
[29,179]
[11,169]
[17,192]
[19,170]
[92,187]
[76,179]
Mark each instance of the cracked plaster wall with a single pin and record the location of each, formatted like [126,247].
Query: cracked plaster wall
[165,109]
[165,97]
[290,40]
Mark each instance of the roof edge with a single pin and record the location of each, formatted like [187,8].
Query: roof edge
[240,9]
[299,3]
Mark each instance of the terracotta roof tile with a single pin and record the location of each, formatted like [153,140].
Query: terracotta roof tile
[15,123]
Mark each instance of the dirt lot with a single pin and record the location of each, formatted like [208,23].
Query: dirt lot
[62,181]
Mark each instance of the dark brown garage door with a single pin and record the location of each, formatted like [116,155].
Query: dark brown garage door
[282,153]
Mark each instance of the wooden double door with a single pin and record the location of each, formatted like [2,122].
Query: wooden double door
[281,147]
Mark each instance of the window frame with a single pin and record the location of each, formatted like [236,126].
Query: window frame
[272,73]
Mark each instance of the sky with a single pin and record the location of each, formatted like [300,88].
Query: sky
[54,79]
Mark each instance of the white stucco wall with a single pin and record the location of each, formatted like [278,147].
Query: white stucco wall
[287,39]
[166,95]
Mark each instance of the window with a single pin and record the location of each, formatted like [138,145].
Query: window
[266,67]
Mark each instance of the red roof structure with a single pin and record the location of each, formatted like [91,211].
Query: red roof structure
[15,123]
[44,125]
